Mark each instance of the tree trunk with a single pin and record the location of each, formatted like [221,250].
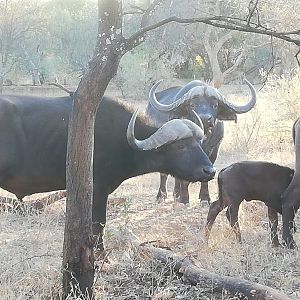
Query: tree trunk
[1,84]
[78,257]
[35,76]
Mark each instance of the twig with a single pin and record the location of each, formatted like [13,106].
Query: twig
[62,87]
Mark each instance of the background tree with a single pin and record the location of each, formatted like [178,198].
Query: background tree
[112,44]
[18,19]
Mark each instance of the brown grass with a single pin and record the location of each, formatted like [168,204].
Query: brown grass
[31,245]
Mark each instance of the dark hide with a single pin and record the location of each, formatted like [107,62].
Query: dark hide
[33,141]
[211,112]
[250,180]
[291,197]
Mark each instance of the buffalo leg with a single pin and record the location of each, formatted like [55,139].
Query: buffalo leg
[176,191]
[214,209]
[291,203]
[273,223]
[162,191]
[99,218]
[288,215]
[204,193]
[232,216]
[181,191]
[211,148]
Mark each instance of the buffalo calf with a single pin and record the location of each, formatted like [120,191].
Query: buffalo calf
[250,180]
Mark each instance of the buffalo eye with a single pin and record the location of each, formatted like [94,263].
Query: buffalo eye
[214,105]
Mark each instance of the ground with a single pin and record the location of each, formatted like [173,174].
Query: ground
[31,244]
[31,248]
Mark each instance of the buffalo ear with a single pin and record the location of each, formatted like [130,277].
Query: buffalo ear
[226,113]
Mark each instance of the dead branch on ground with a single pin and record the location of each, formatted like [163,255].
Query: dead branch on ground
[190,272]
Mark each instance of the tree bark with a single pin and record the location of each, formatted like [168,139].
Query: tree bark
[78,257]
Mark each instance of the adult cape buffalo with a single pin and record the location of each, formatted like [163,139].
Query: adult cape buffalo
[193,101]
[33,143]
[291,196]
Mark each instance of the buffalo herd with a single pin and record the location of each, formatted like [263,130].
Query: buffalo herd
[179,134]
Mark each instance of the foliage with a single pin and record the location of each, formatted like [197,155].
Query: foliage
[141,68]
[269,124]
[57,38]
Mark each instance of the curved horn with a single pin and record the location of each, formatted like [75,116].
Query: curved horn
[171,131]
[132,141]
[240,109]
[163,107]
[188,87]
[199,121]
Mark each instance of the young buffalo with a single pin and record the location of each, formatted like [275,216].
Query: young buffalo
[250,180]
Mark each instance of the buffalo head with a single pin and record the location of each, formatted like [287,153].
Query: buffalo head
[198,98]
[176,146]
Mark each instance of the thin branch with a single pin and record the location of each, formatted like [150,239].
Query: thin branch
[236,63]
[251,10]
[297,57]
[216,21]
[71,93]
[126,13]
[273,60]
[222,40]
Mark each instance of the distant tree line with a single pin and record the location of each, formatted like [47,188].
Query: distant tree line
[54,40]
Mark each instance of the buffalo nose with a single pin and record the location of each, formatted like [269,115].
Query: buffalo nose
[211,171]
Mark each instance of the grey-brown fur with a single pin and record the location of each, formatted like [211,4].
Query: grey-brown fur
[250,180]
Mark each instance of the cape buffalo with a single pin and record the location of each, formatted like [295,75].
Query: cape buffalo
[196,100]
[250,180]
[33,143]
[291,197]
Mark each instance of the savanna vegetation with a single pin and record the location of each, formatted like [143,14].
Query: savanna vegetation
[53,41]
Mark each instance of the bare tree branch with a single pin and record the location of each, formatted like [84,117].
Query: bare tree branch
[231,23]
[71,93]
[297,57]
[236,63]
[252,7]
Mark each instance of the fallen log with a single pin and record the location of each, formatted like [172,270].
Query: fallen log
[193,274]
[13,204]
[40,204]
[196,275]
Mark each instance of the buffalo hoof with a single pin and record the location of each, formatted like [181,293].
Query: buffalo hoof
[181,200]
[290,244]
[161,196]
[276,244]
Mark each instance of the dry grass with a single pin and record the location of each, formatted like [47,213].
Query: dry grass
[31,249]
[31,245]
